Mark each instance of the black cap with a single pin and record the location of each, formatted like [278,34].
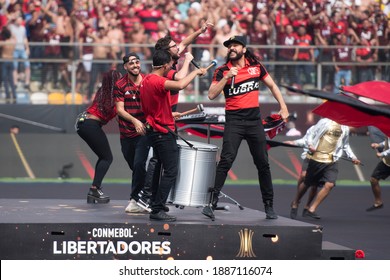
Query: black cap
[126,57]
[235,39]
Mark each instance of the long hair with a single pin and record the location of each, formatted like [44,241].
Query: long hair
[105,94]
[252,59]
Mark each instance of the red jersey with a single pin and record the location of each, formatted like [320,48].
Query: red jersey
[104,116]
[303,41]
[343,54]
[149,19]
[174,94]
[127,92]
[156,104]
[245,94]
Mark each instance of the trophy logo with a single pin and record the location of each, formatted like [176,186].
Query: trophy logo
[246,250]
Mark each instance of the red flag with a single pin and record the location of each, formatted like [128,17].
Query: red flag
[377,90]
[351,116]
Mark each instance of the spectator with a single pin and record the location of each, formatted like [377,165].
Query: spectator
[51,50]
[303,53]
[22,50]
[35,28]
[343,54]
[116,38]
[383,35]
[7,52]
[259,34]
[138,39]
[222,35]
[323,38]
[285,71]
[365,55]
[150,16]
[86,54]
[101,51]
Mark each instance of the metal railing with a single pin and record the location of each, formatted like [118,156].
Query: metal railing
[197,91]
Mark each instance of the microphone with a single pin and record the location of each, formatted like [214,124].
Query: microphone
[195,64]
[232,83]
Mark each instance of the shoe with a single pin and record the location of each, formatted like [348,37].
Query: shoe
[134,208]
[293,213]
[96,195]
[304,212]
[161,216]
[208,212]
[269,211]
[374,207]
[313,215]
[143,204]
[214,199]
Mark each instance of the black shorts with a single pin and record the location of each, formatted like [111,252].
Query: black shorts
[318,173]
[381,171]
[305,164]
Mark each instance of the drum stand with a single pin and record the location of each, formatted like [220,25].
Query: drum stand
[209,212]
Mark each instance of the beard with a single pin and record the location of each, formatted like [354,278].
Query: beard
[175,56]
[134,74]
[237,57]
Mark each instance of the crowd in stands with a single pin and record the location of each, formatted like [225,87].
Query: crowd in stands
[360,29]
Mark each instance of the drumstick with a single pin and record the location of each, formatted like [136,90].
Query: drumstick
[198,108]
[189,111]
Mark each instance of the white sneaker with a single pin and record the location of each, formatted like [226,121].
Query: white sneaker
[144,205]
[134,208]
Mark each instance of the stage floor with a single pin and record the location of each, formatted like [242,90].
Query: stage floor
[344,219]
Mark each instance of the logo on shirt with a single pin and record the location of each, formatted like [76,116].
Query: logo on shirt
[126,93]
[244,88]
[254,71]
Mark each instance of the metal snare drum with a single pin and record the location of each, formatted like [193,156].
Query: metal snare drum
[197,167]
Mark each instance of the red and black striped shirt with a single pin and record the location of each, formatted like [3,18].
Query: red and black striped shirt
[128,92]
[243,100]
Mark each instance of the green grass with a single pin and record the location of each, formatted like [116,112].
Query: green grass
[127,181]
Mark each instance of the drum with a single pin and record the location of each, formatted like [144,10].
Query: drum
[197,167]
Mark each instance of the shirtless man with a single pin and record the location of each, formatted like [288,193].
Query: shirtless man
[137,37]
[63,26]
[224,34]
[116,38]
[7,52]
[101,51]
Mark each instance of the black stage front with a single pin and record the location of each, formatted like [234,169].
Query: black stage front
[73,229]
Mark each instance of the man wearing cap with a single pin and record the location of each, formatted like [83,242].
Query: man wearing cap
[134,144]
[239,81]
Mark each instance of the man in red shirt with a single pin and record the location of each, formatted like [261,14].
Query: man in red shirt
[156,105]
[239,81]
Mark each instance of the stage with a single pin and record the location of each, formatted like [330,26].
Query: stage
[72,229]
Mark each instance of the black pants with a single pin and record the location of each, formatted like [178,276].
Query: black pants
[135,151]
[92,133]
[167,153]
[253,132]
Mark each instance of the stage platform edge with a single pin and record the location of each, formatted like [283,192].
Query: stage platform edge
[71,229]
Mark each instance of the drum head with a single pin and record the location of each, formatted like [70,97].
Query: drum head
[197,145]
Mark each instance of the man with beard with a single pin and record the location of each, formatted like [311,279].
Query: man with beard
[134,144]
[155,99]
[168,44]
[239,80]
